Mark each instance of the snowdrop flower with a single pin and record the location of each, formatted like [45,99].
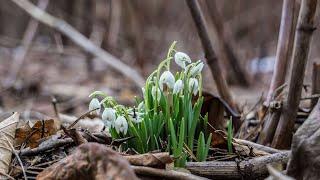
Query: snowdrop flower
[141,106]
[156,94]
[135,116]
[166,78]
[178,86]
[181,58]
[95,104]
[193,85]
[109,116]
[121,125]
[195,70]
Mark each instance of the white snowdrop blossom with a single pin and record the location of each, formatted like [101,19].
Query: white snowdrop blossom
[178,86]
[141,107]
[109,116]
[156,94]
[121,125]
[181,58]
[193,85]
[166,78]
[137,118]
[195,70]
[95,104]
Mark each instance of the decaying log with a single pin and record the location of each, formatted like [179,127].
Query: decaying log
[163,174]
[248,169]
[80,40]
[304,162]
[283,134]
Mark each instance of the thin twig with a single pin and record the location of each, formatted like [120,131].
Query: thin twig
[17,156]
[81,117]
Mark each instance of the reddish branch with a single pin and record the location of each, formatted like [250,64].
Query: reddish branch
[283,135]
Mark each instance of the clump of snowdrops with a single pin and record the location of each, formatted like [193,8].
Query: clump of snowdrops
[168,115]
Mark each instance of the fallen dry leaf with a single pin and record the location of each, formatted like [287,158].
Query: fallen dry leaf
[32,135]
[7,133]
[150,159]
[90,161]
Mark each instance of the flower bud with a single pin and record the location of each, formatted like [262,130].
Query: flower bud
[195,70]
[181,58]
[121,125]
[109,116]
[178,86]
[95,104]
[193,86]
[166,78]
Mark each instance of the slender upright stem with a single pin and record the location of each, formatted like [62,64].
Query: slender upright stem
[210,55]
[283,135]
[285,43]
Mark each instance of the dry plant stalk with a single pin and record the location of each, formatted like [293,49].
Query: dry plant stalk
[80,40]
[210,55]
[283,135]
[285,43]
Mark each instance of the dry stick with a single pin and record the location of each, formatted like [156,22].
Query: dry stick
[285,42]
[315,83]
[254,168]
[223,36]
[163,174]
[80,40]
[210,55]
[20,54]
[258,146]
[283,135]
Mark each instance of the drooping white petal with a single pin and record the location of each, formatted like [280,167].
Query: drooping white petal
[193,85]
[195,70]
[95,104]
[121,125]
[138,117]
[178,86]
[181,59]
[109,116]
[141,106]
[156,93]
[166,78]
